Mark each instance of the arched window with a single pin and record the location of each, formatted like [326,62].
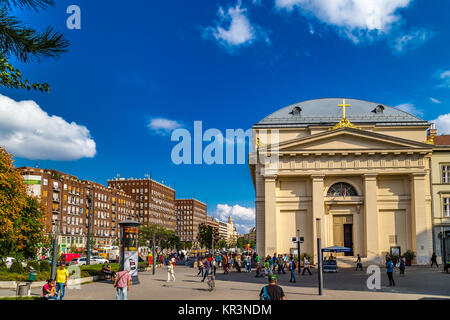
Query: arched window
[341,189]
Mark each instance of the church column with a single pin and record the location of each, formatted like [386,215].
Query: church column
[420,231]
[318,210]
[270,215]
[371,216]
[260,211]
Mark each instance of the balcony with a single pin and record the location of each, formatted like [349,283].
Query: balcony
[57,200]
[55,210]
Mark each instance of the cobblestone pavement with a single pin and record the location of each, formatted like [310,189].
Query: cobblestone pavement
[347,284]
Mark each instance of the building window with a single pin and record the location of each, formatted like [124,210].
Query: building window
[446,174]
[341,190]
[447,207]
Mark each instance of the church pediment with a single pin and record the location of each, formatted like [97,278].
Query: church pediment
[349,139]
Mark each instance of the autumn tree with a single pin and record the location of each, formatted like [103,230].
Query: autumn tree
[22,226]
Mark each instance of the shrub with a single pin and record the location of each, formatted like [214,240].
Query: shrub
[44,266]
[16,267]
[33,265]
[142,265]
[409,255]
[3,267]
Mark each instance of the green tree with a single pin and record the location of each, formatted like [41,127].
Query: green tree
[241,243]
[222,243]
[22,217]
[25,43]
[164,238]
[205,235]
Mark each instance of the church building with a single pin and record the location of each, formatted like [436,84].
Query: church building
[362,168]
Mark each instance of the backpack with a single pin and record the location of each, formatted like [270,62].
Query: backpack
[293,265]
[265,295]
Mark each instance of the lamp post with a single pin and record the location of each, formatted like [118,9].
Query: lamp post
[319,256]
[55,249]
[153,254]
[88,240]
[298,250]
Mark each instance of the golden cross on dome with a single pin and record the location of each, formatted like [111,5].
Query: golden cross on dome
[343,106]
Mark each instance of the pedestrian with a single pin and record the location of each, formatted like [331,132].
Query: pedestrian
[358,263]
[402,267]
[434,260]
[207,267]
[266,268]
[200,266]
[275,262]
[390,271]
[62,275]
[171,272]
[306,266]
[225,264]
[281,264]
[214,265]
[272,291]
[292,267]
[249,264]
[49,291]
[122,284]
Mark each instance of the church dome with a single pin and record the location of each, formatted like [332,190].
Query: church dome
[326,112]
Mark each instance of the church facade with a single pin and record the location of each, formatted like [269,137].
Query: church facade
[361,168]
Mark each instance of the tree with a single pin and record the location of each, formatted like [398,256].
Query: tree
[222,243]
[241,243]
[205,235]
[22,217]
[25,43]
[164,238]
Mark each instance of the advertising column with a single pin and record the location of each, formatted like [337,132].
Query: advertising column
[129,256]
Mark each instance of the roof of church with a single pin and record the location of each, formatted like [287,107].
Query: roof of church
[325,111]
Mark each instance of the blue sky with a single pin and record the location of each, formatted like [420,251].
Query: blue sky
[226,63]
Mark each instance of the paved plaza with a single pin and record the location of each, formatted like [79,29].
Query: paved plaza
[347,284]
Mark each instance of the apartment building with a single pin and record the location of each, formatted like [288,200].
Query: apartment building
[213,222]
[190,214]
[65,198]
[154,201]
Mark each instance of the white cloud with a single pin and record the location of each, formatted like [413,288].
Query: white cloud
[411,40]
[443,124]
[410,108]
[434,100]
[357,19]
[445,77]
[243,228]
[163,126]
[29,132]
[224,211]
[235,29]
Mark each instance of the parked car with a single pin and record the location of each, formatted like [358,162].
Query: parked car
[98,260]
[78,261]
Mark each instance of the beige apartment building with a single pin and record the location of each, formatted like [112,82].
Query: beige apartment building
[440,169]
[362,168]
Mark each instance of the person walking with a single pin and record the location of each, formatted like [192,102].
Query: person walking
[214,265]
[171,272]
[272,291]
[306,266]
[207,267]
[402,267]
[390,271]
[122,284]
[200,266]
[292,267]
[434,260]
[358,263]
[225,264]
[62,275]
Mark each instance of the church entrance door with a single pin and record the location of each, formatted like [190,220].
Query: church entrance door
[343,232]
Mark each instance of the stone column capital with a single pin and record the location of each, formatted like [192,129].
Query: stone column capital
[370,176]
[418,175]
[317,177]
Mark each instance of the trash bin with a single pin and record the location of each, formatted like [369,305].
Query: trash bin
[32,276]
[23,289]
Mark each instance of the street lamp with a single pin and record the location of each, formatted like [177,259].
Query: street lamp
[319,256]
[298,250]
[89,213]
[55,249]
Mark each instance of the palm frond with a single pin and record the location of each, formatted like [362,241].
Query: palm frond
[27,4]
[26,43]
